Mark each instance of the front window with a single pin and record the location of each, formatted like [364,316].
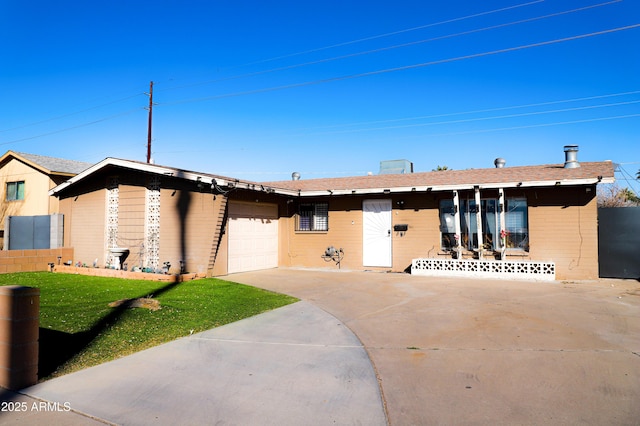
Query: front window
[514,236]
[313,217]
[516,223]
[15,191]
[468,224]
[447,225]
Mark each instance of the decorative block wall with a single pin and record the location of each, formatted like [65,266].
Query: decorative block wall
[473,268]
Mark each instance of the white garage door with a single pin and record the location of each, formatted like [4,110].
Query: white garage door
[253,237]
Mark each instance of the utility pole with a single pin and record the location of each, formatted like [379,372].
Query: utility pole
[149,129]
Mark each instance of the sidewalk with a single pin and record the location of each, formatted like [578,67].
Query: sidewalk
[291,366]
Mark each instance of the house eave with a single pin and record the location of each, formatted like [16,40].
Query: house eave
[444,188]
[288,192]
[142,167]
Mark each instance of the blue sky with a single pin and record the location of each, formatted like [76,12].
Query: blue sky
[257,90]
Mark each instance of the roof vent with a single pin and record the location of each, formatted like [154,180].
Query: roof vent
[571,157]
[499,162]
[295,176]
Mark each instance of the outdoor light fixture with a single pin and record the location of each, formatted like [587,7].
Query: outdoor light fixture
[387,191]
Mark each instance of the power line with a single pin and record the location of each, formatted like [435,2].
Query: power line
[346,43]
[70,114]
[339,57]
[407,67]
[71,128]
[420,27]
[397,46]
[370,73]
[468,120]
[627,177]
[530,126]
[478,111]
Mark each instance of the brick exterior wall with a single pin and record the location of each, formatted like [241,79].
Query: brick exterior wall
[32,260]
[562,229]
[562,224]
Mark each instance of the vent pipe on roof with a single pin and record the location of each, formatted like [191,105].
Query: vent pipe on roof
[571,157]
[295,176]
[499,162]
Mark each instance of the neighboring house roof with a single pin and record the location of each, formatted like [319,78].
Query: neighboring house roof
[48,165]
[522,176]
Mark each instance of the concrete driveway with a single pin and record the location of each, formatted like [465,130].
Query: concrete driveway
[462,351]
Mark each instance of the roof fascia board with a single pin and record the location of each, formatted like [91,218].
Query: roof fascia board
[150,168]
[154,169]
[26,161]
[79,177]
[442,188]
[261,188]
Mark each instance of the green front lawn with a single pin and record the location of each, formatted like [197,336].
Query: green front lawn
[78,329]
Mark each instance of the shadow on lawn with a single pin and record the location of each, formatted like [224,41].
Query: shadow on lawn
[57,347]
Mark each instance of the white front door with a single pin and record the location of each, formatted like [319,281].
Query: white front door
[376,233]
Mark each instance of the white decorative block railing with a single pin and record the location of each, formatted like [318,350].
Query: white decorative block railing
[152,223]
[111,229]
[474,268]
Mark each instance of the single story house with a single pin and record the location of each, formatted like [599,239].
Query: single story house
[530,221]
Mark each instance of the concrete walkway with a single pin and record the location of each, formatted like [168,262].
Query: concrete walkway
[293,366]
[445,351]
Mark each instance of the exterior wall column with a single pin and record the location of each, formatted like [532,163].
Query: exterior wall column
[112,218]
[501,209]
[152,224]
[476,191]
[456,219]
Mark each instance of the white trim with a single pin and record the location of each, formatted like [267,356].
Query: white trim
[479,230]
[143,167]
[257,186]
[438,188]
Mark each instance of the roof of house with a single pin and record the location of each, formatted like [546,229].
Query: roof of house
[48,165]
[523,176]
[206,178]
